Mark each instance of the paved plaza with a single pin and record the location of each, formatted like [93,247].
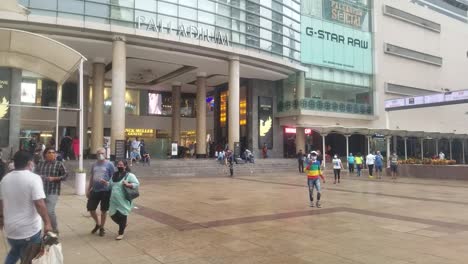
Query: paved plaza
[266,219]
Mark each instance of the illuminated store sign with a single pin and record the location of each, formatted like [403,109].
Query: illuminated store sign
[187,31]
[140,132]
[345,13]
[332,45]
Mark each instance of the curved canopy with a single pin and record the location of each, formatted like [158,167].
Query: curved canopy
[37,53]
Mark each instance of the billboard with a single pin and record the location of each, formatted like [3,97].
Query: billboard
[5,76]
[348,13]
[265,122]
[333,45]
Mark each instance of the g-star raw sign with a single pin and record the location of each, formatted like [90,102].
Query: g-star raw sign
[187,31]
[344,13]
[333,45]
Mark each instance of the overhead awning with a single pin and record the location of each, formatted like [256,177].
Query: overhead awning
[39,54]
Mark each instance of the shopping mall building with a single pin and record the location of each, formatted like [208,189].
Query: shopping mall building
[338,75]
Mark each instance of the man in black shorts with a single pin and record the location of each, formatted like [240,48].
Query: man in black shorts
[98,190]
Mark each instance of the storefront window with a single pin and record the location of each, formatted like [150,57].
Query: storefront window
[132,101]
[160,103]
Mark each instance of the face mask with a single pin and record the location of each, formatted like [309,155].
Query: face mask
[101,157]
[314,158]
[121,169]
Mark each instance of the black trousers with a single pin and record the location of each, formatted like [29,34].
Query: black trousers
[301,165]
[121,220]
[337,173]
[371,169]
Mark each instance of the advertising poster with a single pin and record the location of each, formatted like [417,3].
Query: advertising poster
[4,106]
[334,45]
[154,103]
[265,122]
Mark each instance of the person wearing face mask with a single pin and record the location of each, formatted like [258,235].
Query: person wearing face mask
[313,178]
[99,191]
[120,207]
[22,207]
[52,172]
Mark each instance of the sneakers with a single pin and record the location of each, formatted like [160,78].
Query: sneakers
[311,204]
[119,237]
[95,229]
[102,231]
[318,205]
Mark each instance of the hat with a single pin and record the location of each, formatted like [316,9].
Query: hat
[313,152]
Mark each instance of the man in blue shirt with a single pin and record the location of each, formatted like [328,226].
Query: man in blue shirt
[98,190]
[351,162]
[378,163]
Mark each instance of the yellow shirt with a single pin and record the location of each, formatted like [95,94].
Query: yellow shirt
[358,160]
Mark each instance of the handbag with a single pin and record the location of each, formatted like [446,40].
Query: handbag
[51,255]
[130,193]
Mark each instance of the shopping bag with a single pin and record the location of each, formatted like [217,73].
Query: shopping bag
[50,255]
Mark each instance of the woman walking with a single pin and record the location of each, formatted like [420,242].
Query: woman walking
[337,166]
[120,207]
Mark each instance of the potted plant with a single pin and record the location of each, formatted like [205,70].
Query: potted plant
[80,182]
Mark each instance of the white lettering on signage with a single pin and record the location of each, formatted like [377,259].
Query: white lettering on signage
[183,31]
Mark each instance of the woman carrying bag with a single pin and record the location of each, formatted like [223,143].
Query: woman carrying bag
[124,188]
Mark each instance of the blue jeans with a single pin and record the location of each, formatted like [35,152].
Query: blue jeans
[51,203]
[18,247]
[313,183]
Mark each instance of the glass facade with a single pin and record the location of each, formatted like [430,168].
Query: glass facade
[268,26]
[337,46]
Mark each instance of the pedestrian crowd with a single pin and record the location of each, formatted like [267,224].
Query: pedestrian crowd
[30,191]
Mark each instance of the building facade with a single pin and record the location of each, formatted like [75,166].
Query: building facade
[288,75]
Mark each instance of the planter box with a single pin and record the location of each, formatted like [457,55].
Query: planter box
[443,172]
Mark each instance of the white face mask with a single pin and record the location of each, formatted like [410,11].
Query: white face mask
[100,157]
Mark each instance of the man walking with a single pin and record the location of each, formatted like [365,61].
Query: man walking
[370,160]
[300,161]
[52,172]
[22,207]
[358,160]
[394,166]
[351,163]
[378,165]
[313,180]
[98,190]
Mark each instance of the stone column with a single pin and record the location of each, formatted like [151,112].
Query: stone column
[233,102]
[15,111]
[85,112]
[300,85]
[176,86]
[422,148]
[368,144]
[201,115]
[97,124]
[388,150]
[300,139]
[347,149]
[437,146]
[323,149]
[406,148]
[119,83]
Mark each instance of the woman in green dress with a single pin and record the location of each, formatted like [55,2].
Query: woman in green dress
[120,207]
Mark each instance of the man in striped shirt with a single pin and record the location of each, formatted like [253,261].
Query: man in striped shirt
[52,172]
[313,178]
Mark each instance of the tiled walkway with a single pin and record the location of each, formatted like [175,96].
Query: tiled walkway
[266,219]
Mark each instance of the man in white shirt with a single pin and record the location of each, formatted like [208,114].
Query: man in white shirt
[22,206]
[135,154]
[370,160]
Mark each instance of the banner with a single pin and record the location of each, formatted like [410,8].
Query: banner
[347,13]
[265,122]
[5,79]
[332,45]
